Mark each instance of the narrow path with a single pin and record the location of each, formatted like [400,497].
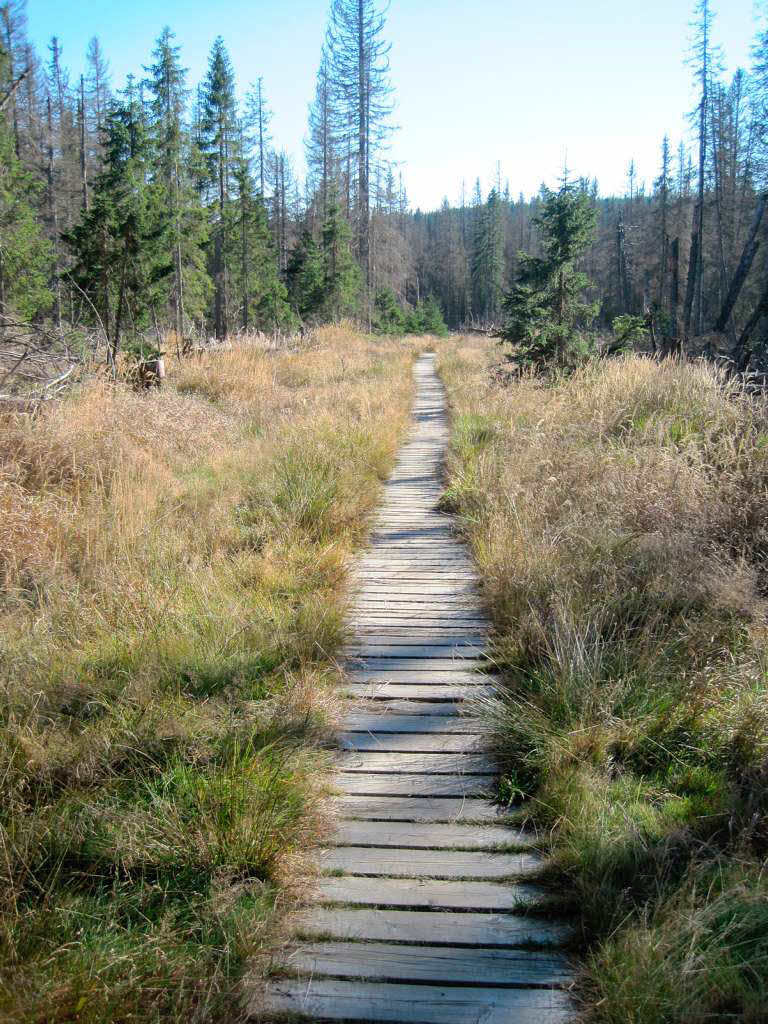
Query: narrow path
[419,916]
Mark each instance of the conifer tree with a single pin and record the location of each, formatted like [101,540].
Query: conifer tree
[341,274]
[219,143]
[25,255]
[322,141]
[185,229]
[258,117]
[306,277]
[546,316]
[120,258]
[488,261]
[261,295]
[359,59]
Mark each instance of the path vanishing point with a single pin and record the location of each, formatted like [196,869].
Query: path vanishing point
[420,913]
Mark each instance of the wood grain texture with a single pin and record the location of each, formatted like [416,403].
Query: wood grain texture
[408,863]
[424,893]
[443,928]
[414,964]
[326,1000]
[418,911]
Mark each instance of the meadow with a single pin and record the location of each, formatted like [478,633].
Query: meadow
[618,519]
[172,568]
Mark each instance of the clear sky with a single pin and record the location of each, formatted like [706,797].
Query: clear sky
[520,83]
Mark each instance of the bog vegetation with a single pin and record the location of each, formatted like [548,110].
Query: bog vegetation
[172,570]
[618,520]
[172,560]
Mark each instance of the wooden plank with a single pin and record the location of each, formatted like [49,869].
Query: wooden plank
[324,999]
[413,742]
[430,836]
[385,961]
[411,691]
[416,785]
[385,722]
[416,633]
[367,860]
[423,893]
[410,708]
[449,674]
[438,928]
[452,651]
[419,664]
[399,808]
[433,764]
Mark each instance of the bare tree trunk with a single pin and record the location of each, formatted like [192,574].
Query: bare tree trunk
[751,246]
[83,155]
[363,143]
[693,268]
[54,216]
[674,297]
[742,353]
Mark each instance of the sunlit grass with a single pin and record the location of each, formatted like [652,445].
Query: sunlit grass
[619,522]
[172,568]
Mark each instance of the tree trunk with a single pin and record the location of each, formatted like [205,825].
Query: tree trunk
[741,353]
[363,143]
[674,297]
[83,155]
[751,246]
[693,265]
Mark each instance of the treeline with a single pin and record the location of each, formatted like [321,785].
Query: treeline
[161,206]
[688,255]
[164,206]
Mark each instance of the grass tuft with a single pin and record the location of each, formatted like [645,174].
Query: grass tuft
[172,572]
[619,522]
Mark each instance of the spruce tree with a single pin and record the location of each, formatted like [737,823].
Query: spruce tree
[546,318]
[488,261]
[218,139]
[359,60]
[185,227]
[341,274]
[262,298]
[306,277]
[121,261]
[25,256]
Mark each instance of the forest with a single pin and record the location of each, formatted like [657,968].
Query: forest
[166,205]
[217,372]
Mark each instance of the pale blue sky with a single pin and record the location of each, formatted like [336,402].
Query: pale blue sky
[517,82]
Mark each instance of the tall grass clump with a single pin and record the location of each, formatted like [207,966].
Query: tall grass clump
[171,599]
[620,523]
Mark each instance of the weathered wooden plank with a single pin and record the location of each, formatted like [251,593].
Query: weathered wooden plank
[413,742]
[449,674]
[452,651]
[408,809]
[436,928]
[418,664]
[433,764]
[430,836]
[416,785]
[392,863]
[414,964]
[324,999]
[423,893]
[420,708]
[411,691]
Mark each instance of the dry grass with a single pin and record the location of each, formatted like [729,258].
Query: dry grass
[171,598]
[620,522]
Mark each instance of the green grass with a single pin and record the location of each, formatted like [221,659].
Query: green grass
[171,600]
[619,521]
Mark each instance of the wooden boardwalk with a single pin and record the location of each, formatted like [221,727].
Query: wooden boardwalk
[420,913]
